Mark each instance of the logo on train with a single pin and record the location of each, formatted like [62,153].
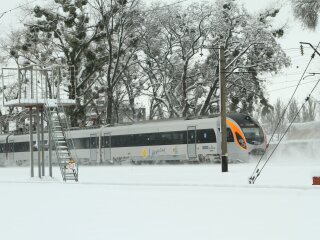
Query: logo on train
[144,153]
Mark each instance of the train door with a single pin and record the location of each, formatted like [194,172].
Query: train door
[93,147]
[106,145]
[10,151]
[191,142]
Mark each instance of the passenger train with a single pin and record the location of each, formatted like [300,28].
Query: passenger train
[174,140]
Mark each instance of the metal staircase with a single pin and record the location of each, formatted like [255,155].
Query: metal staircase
[62,141]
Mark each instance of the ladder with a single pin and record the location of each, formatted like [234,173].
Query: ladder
[62,141]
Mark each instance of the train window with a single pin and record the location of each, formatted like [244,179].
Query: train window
[84,143]
[11,146]
[25,146]
[206,136]
[119,141]
[93,142]
[14,147]
[19,147]
[122,141]
[76,143]
[114,141]
[153,139]
[136,140]
[125,141]
[149,139]
[165,138]
[253,135]
[140,139]
[191,136]
[241,141]
[106,142]
[178,137]
[130,140]
[230,137]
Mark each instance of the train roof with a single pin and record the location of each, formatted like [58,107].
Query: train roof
[168,125]
[243,120]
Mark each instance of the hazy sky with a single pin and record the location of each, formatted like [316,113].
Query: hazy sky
[278,86]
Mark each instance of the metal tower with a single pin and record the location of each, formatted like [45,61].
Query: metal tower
[43,91]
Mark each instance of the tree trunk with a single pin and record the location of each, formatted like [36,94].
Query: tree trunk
[133,110]
[185,105]
[72,90]
[206,103]
[109,105]
[75,112]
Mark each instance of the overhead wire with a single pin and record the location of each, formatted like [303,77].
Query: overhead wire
[278,89]
[256,172]
[287,129]
[281,76]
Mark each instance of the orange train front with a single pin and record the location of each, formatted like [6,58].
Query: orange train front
[245,137]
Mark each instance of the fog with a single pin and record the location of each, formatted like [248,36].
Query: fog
[300,146]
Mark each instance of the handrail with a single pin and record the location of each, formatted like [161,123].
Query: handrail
[53,135]
[70,142]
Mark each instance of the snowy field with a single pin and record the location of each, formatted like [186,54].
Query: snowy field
[164,202]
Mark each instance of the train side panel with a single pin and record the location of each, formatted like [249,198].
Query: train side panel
[195,140]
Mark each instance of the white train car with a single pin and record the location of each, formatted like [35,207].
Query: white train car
[177,140]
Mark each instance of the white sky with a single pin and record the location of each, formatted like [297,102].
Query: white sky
[279,86]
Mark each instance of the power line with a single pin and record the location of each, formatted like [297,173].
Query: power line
[287,81]
[282,75]
[293,48]
[287,129]
[285,49]
[273,90]
[256,172]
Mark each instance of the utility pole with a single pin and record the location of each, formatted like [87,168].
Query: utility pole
[223,111]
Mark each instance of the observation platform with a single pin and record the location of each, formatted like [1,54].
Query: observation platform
[44,91]
[38,86]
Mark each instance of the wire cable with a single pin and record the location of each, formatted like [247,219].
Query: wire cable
[287,129]
[256,170]
[278,89]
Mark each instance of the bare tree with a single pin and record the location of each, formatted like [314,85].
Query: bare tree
[309,111]
[293,112]
[274,122]
[250,49]
[121,21]
[171,52]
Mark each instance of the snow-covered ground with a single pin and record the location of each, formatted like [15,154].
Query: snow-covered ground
[163,202]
